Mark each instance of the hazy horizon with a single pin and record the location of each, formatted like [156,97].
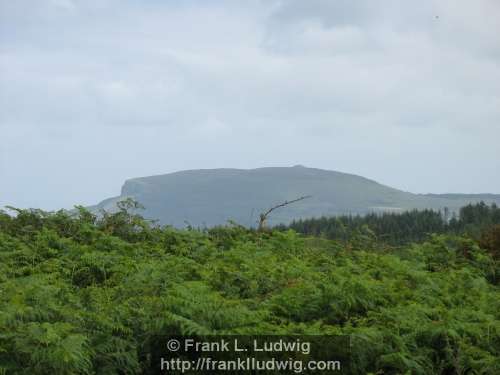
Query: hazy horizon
[96,92]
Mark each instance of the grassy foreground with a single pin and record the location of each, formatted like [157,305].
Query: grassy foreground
[81,295]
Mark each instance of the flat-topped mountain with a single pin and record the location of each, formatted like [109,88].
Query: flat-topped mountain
[214,196]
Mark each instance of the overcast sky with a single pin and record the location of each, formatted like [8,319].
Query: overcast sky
[93,92]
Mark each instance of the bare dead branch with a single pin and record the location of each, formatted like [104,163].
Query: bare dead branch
[263,216]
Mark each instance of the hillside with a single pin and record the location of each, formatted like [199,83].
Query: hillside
[213,196]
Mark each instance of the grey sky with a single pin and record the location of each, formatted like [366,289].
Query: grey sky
[93,92]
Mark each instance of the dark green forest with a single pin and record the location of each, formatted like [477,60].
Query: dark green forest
[86,294]
[402,228]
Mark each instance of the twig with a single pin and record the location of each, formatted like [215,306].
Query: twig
[263,216]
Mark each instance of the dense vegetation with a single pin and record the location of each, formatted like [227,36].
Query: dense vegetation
[402,228]
[84,295]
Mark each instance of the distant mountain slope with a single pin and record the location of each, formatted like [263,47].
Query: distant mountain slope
[214,196]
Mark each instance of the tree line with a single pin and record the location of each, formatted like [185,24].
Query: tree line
[401,228]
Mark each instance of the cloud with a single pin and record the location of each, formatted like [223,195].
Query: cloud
[150,87]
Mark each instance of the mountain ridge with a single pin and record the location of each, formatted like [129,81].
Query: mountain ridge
[213,196]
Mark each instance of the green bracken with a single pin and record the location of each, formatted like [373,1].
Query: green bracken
[81,294]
